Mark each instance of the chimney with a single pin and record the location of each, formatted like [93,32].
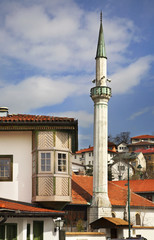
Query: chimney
[4,111]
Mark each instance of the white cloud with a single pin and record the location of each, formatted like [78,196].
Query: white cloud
[60,36]
[141,112]
[130,76]
[85,119]
[36,92]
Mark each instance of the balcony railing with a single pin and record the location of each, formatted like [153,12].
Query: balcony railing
[100,91]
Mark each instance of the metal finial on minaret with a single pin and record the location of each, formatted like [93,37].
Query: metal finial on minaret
[101,17]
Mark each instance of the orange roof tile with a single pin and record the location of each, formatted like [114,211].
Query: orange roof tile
[143,136]
[85,150]
[146,185]
[82,188]
[33,118]
[144,151]
[13,205]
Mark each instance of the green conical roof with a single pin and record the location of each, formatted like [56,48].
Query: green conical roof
[101,43]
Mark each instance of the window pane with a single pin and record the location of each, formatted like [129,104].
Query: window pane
[46,162]
[47,155]
[42,168]
[62,162]
[5,168]
[42,155]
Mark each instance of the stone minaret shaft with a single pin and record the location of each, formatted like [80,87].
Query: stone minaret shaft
[101,94]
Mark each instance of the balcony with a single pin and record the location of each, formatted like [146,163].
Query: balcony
[102,91]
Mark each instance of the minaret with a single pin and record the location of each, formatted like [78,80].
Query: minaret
[100,94]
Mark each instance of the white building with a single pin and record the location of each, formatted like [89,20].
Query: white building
[35,168]
[119,166]
[122,147]
[83,158]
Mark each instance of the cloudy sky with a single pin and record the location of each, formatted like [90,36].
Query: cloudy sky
[47,56]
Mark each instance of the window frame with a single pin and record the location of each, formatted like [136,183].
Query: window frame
[10,158]
[51,162]
[61,172]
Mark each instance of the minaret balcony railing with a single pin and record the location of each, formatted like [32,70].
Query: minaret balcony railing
[103,91]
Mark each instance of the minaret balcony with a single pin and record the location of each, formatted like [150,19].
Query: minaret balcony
[100,91]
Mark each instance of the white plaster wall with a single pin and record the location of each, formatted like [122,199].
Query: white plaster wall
[147,215]
[18,144]
[22,228]
[144,232]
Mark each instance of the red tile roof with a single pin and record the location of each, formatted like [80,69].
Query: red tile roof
[144,151]
[91,150]
[82,188]
[146,185]
[143,136]
[13,205]
[33,118]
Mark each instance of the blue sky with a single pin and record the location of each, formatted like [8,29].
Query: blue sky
[47,55]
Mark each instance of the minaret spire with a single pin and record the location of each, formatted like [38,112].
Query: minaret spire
[101,52]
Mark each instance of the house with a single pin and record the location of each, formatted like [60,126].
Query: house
[122,147]
[141,142]
[84,158]
[22,221]
[144,188]
[149,156]
[119,166]
[35,168]
[141,209]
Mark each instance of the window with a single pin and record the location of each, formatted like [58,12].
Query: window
[62,162]
[45,163]
[6,167]
[8,231]
[89,154]
[138,220]
[28,231]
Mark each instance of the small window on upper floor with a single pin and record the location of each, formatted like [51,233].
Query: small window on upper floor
[89,154]
[62,162]
[6,167]
[45,161]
